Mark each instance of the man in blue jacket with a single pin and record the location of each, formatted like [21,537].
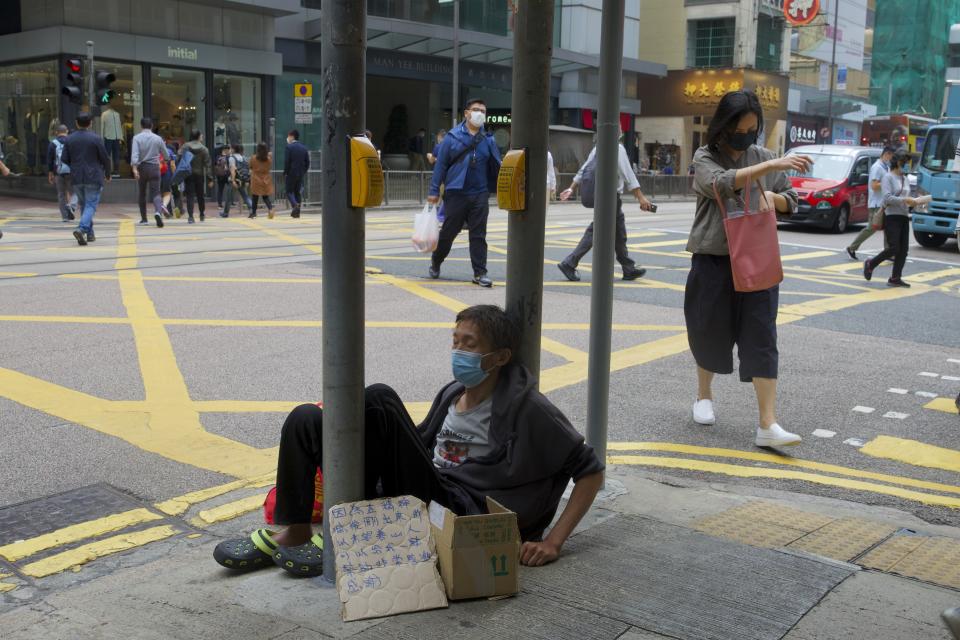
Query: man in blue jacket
[295,167]
[89,163]
[468,162]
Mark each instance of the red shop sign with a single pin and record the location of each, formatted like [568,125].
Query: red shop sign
[800,12]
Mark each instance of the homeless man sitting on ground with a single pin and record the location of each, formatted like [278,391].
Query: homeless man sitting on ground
[488,433]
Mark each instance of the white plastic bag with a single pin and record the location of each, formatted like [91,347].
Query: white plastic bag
[426,230]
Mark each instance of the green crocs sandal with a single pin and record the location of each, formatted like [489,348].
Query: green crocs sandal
[246,554]
[305,560]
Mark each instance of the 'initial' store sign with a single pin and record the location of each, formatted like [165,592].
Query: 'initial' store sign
[182,53]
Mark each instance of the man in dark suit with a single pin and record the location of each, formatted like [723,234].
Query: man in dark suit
[295,167]
[89,164]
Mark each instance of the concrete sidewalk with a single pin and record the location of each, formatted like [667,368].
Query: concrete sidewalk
[657,557]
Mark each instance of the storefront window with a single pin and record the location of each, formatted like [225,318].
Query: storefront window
[120,119]
[236,111]
[178,100]
[30,96]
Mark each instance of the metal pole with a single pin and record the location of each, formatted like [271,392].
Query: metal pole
[91,99]
[343,69]
[532,52]
[833,70]
[456,63]
[604,225]
[273,133]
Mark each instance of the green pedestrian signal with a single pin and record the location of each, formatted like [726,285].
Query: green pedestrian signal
[104,93]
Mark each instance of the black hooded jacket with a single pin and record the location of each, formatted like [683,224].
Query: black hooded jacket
[536,451]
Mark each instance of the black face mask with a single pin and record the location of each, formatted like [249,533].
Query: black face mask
[741,141]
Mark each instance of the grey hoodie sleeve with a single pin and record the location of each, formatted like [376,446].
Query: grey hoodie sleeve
[709,172]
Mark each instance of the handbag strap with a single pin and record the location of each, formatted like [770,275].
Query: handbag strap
[746,198]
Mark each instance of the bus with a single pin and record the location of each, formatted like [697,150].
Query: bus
[905,132]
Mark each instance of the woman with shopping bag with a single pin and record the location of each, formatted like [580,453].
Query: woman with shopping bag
[732,290]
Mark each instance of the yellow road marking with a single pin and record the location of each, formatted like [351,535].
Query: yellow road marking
[419,290]
[837,303]
[785,474]
[927,276]
[913,452]
[6,586]
[17,274]
[947,405]
[88,552]
[67,319]
[843,267]
[831,283]
[231,510]
[806,256]
[24,548]
[220,252]
[315,248]
[782,460]
[178,505]
[661,243]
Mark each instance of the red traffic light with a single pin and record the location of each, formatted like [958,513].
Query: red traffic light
[74,65]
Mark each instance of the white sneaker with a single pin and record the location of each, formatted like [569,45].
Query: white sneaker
[703,412]
[776,436]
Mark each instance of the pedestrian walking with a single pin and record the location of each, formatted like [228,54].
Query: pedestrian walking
[194,184]
[879,169]
[468,162]
[111,129]
[296,164]
[717,316]
[147,152]
[432,156]
[416,150]
[239,181]
[896,223]
[261,180]
[628,179]
[551,178]
[89,165]
[58,173]
[221,170]
[169,192]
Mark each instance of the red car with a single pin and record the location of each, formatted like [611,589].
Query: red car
[833,193]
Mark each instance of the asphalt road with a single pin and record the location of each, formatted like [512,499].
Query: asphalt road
[162,361]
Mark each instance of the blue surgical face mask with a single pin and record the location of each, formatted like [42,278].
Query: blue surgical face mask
[467,369]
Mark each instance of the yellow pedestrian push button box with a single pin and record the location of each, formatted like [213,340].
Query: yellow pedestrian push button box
[366,174]
[512,181]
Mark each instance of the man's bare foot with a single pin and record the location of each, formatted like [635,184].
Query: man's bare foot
[294,535]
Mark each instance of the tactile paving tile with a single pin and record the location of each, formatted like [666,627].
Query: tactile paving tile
[733,526]
[35,517]
[843,539]
[892,551]
[936,560]
[762,511]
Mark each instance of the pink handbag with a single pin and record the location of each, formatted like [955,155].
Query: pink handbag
[753,242]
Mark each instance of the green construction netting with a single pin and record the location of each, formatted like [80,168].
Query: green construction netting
[910,53]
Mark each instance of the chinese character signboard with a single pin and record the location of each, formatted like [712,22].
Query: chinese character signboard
[698,91]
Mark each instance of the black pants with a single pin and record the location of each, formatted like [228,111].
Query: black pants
[293,185]
[396,462]
[896,230]
[149,184]
[460,209]
[193,188]
[719,317]
[586,244]
[221,186]
[256,200]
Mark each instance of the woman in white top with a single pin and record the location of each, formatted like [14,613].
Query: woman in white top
[896,222]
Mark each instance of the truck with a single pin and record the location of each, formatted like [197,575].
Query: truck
[938,171]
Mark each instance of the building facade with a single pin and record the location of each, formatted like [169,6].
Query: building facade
[710,47]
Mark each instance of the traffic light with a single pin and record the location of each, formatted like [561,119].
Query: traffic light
[73,88]
[104,93]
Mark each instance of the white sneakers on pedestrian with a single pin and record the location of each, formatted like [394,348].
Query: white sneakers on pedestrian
[703,412]
[776,436]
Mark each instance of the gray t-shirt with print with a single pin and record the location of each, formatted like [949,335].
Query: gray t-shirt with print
[463,435]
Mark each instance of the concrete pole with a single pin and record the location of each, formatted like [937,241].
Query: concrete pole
[91,98]
[604,225]
[455,102]
[532,52]
[342,62]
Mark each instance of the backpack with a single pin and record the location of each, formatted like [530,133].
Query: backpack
[222,168]
[184,168]
[61,167]
[588,182]
[243,168]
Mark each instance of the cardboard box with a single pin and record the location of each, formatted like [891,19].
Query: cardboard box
[479,555]
[386,558]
